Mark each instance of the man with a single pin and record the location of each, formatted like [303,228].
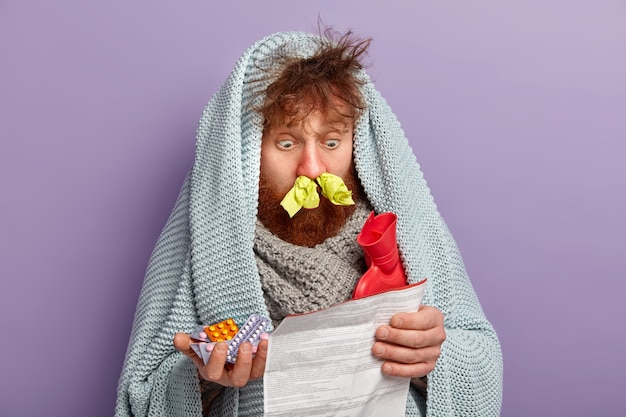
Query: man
[299,106]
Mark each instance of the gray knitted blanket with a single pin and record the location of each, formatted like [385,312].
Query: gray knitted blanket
[203,268]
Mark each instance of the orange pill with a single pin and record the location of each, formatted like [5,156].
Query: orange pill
[224,330]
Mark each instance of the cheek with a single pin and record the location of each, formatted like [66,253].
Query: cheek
[342,164]
[268,162]
[278,172]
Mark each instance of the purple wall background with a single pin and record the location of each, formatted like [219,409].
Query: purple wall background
[515,111]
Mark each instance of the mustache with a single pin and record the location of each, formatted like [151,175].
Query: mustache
[308,227]
[304,193]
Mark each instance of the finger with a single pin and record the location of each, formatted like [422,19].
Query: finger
[214,369]
[258,363]
[415,370]
[425,318]
[404,355]
[411,338]
[240,374]
[182,343]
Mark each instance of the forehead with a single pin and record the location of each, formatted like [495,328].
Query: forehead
[320,120]
[291,112]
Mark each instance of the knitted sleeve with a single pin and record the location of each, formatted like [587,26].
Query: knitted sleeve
[467,380]
[156,379]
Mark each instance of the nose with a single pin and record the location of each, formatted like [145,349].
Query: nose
[311,163]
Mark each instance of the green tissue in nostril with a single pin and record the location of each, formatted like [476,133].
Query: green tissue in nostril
[304,193]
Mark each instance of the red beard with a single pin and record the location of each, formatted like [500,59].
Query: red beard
[308,227]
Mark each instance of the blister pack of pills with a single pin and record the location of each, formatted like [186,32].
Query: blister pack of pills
[206,337]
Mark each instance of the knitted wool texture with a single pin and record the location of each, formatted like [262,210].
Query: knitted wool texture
[203,267]
[297,279]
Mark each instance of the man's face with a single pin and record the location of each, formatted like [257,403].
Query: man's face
[310,147]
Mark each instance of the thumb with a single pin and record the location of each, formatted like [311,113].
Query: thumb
[182,343]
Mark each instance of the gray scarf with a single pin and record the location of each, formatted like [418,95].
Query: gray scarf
[297,279]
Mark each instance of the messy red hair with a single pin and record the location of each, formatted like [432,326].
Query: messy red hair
[327,81]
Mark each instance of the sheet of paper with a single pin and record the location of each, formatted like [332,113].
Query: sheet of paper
[320,364]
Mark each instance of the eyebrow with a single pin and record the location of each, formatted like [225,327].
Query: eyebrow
[336,127]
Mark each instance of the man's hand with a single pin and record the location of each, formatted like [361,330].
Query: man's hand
[410,345]
[217,370]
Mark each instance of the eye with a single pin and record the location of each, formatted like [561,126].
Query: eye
[332,143]
[285,143]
